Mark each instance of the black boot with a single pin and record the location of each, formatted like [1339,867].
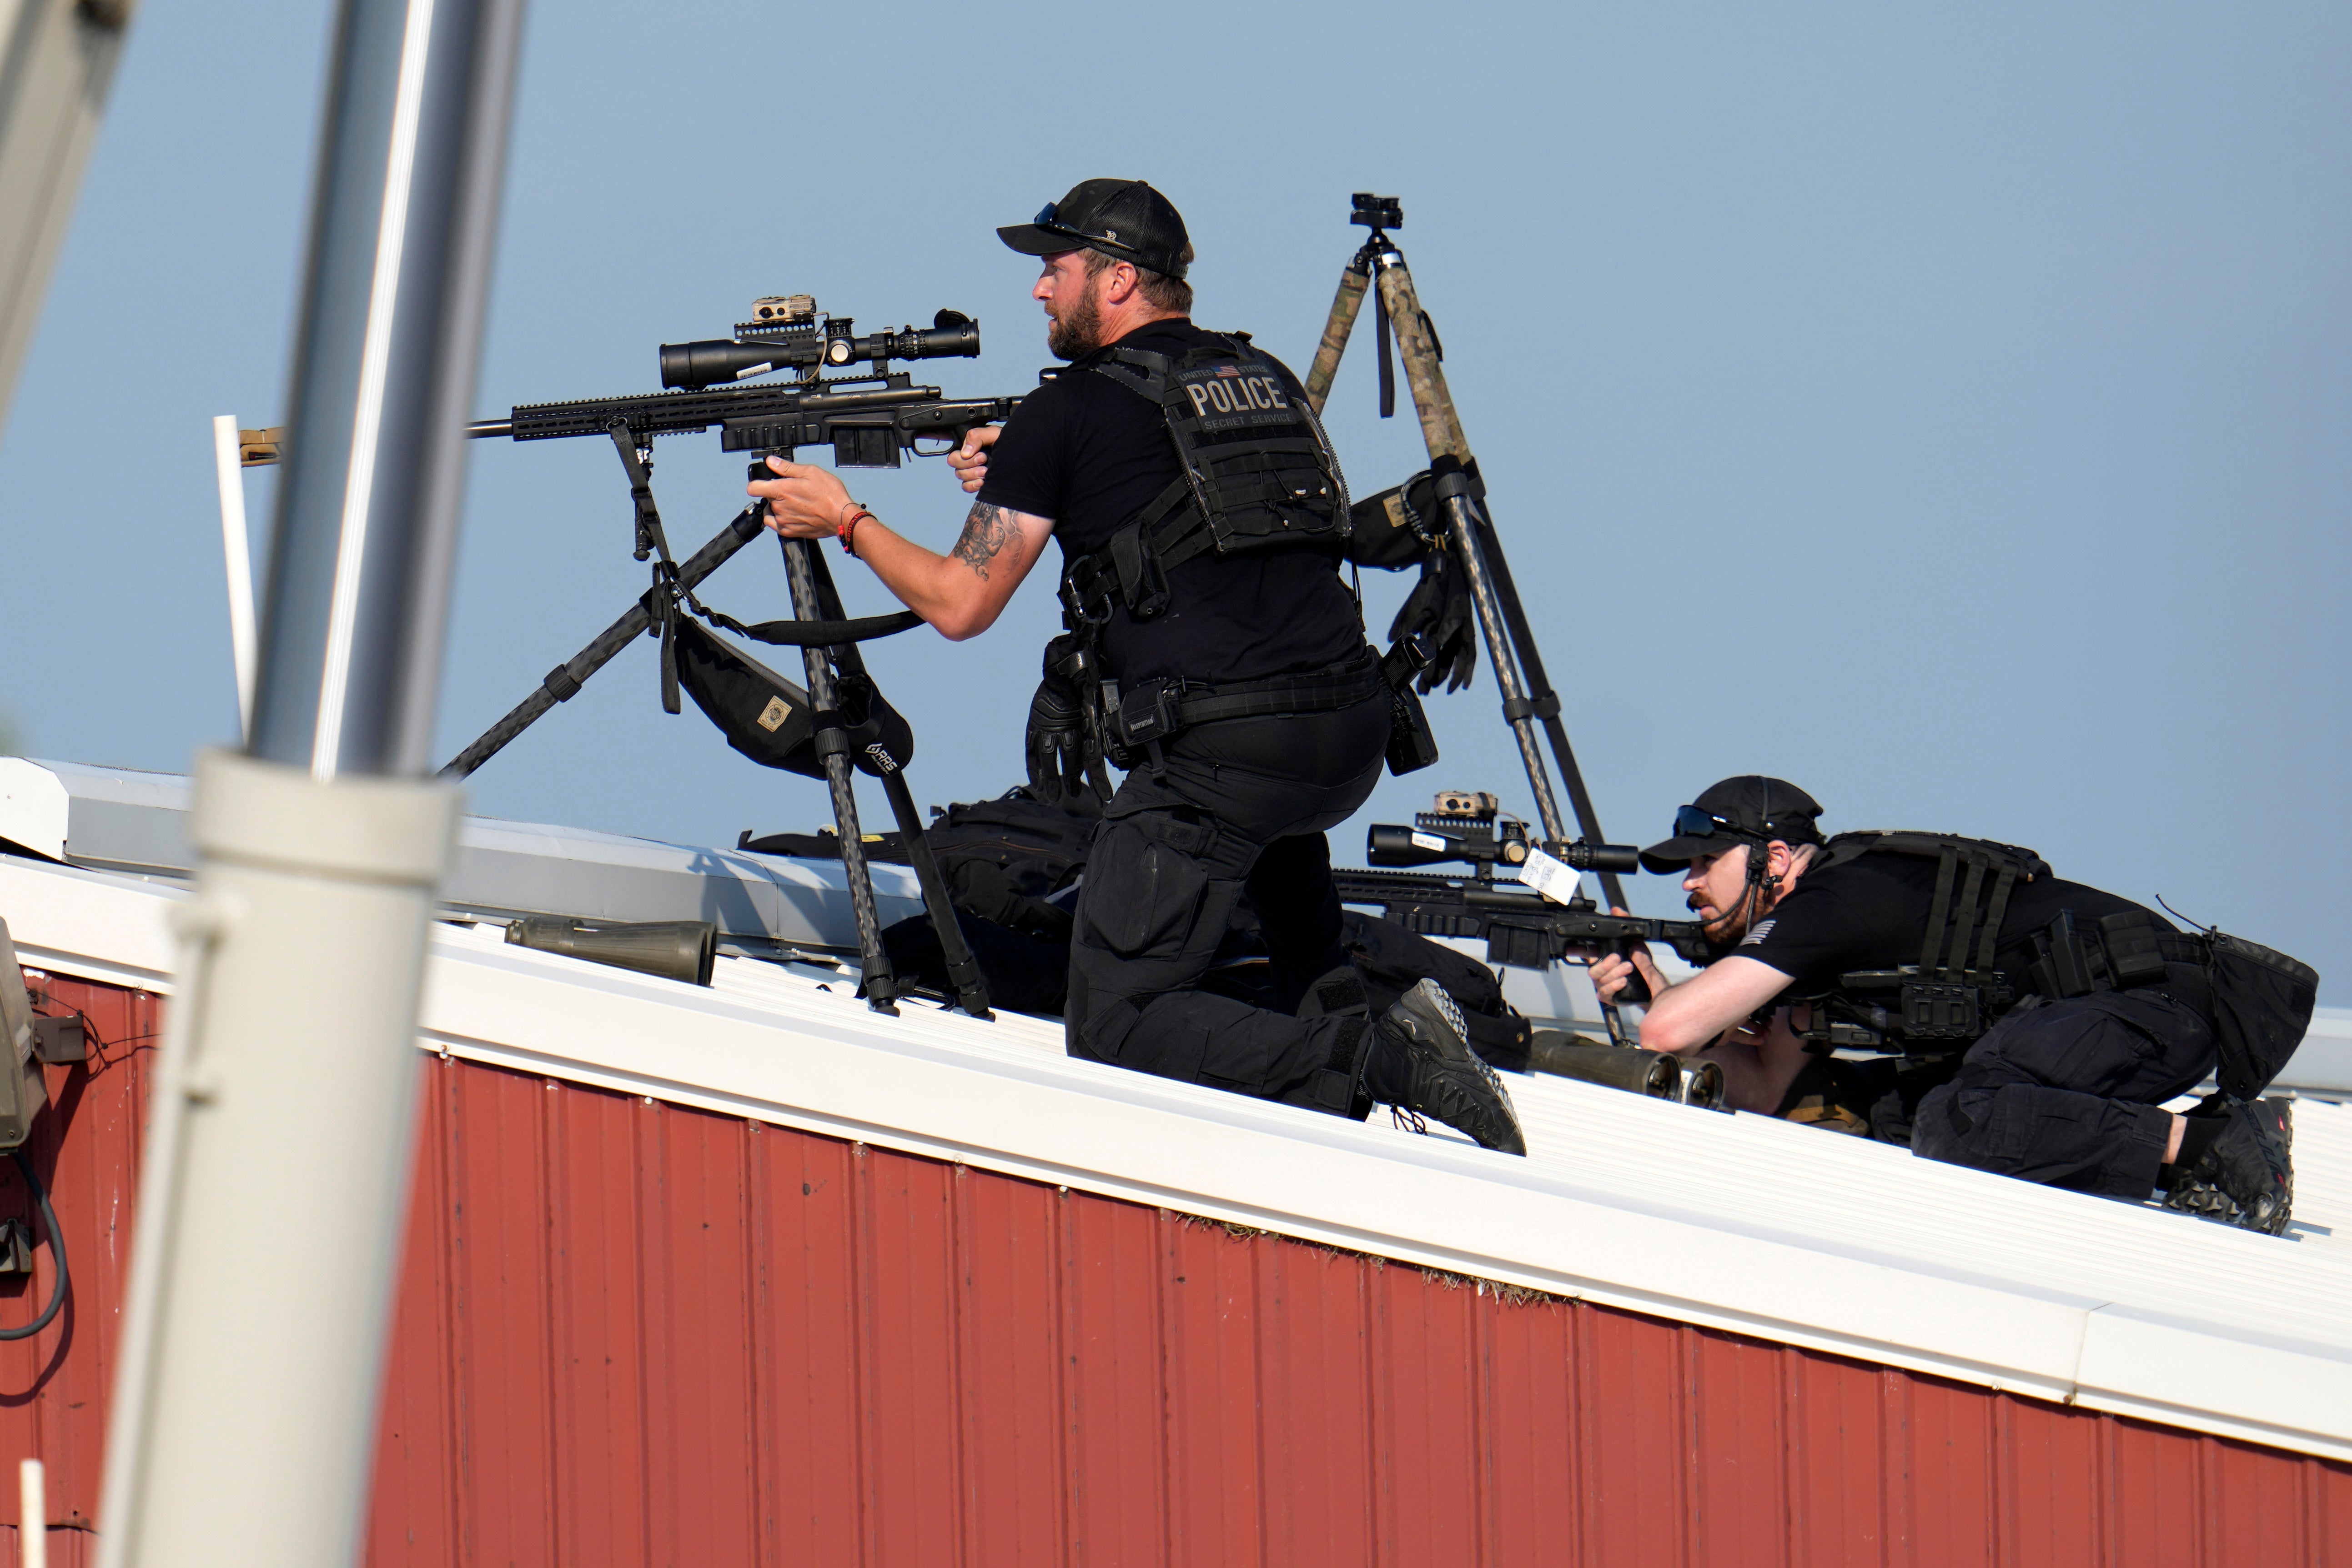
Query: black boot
[2245,1177]
[1421,1060]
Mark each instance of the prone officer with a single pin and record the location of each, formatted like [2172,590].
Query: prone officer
[2042,1023]
[1209,646]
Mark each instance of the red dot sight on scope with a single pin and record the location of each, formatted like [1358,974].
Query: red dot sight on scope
[787,333]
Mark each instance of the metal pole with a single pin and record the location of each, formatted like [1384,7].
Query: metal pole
[57,62]
[243,1429]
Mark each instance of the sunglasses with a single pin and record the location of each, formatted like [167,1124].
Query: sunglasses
[1692,822]
[1049,218]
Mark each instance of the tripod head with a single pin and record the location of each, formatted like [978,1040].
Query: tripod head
[786,331]
[1378,213]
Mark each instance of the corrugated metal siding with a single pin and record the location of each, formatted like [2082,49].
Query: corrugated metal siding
[85,1147]
[630,1333]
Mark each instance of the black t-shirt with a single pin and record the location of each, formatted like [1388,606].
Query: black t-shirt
[1090,454]
[1871,912]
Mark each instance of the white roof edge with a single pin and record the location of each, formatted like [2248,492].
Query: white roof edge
[120,821]
[1001,1097]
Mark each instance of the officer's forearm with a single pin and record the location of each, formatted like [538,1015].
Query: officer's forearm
[940,590]
[961,593]
[1687,1018]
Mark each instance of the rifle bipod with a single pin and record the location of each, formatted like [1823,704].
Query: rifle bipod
[816,615]
[1528,697]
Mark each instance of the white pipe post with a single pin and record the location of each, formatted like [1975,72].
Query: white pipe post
[32,1516]
[236,553]
[276,1167]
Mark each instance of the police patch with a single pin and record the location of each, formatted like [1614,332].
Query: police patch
[1228,394]
[1756,938]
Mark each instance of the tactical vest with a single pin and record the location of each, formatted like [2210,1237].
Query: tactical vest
[1947,1000]
[1257,473]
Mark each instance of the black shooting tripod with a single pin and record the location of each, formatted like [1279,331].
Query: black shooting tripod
[828,643]
[1528,697]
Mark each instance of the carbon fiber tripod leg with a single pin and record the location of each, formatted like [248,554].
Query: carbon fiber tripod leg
[563,681]
[963,970]
[833,747]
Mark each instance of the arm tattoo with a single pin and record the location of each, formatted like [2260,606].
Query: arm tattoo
[986,531]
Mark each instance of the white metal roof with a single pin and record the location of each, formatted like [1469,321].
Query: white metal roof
[1738,1222]
[114,818]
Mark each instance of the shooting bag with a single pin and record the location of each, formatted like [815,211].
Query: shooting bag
[767,718]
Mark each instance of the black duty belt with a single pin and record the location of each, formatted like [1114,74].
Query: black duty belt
[1152,711]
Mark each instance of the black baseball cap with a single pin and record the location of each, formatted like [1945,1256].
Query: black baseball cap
[1749,810]
[1122,218]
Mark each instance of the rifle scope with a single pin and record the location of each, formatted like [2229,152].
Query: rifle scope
[690,367]
[1394,844]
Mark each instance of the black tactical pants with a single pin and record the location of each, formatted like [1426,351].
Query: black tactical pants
[1242,805]
[2069,1093]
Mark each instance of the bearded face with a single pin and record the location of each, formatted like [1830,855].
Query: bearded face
[1077,331]
[1718,894]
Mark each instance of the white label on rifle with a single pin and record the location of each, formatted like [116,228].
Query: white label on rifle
[1430,842]
[1547,876]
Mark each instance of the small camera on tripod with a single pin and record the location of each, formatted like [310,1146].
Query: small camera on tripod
[1378,212]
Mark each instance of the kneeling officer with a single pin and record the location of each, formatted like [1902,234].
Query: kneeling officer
[1210,645]
[2043,1022]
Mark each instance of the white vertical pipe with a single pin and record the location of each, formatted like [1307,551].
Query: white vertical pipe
[237,552]
[32,1517]
[276,1168]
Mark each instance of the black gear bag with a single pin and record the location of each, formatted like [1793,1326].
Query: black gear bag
[767,718]
[2262,1007]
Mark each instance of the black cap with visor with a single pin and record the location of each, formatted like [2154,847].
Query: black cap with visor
[1125,219]
[1749,810]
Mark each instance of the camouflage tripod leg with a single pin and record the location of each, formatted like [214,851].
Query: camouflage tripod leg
[1422,370]
[1336,327]
[1501,617]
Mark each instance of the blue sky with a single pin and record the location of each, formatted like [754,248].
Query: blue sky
[1940,406]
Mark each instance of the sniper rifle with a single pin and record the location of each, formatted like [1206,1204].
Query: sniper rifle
[868,417]
[1521,927]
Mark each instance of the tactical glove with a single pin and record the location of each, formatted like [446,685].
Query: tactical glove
[1440,612]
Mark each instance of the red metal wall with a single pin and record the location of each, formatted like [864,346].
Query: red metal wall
[631,1333]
